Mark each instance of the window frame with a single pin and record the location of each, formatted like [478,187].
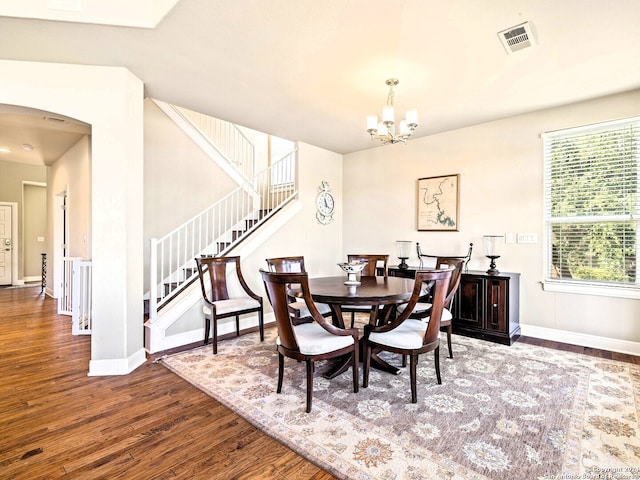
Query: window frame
[587,287]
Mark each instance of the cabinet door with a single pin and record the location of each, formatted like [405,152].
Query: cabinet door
[470,307]
[495,310]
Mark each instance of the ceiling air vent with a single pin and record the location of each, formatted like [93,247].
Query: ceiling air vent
[517,38]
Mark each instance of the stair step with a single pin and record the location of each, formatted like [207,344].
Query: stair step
[170,287]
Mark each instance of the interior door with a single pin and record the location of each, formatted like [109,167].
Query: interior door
[5,245]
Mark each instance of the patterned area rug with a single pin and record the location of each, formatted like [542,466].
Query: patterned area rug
[519,412]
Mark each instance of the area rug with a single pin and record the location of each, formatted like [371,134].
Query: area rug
[519,412]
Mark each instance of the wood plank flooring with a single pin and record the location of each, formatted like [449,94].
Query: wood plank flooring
[56,422]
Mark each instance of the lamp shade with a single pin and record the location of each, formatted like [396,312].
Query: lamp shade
[412,117]
[404,248]
[372,122]
[387,114]
[492,245]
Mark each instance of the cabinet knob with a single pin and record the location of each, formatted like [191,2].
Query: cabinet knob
[495,305]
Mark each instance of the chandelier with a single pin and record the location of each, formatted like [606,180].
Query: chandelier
[385,131]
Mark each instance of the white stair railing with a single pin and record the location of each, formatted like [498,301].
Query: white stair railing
[81,317]
[216,230]
[226,138]
[65,300]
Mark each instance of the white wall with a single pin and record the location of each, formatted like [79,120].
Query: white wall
[34,219]
[111,101]
[72,172]
[321,245]
[501,191]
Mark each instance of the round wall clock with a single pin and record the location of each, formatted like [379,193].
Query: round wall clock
[325,204]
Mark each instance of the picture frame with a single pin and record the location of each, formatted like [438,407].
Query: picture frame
[439,203]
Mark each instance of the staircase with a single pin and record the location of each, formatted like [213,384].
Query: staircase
[217,230]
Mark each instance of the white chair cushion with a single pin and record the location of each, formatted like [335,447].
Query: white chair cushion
[409,334]
[303,311]
[314,340]
[425,307]
[232,305]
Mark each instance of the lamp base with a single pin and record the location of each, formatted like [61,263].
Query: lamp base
[492,266]
[403,264]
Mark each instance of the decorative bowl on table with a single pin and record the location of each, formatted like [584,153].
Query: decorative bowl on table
[352,269]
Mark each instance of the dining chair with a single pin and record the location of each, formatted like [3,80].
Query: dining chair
[376,266]
[295,264]
[408,336]
[308,342]
[217,303]
[422,309]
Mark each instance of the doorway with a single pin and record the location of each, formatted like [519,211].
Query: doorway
[6,240]
[8,243]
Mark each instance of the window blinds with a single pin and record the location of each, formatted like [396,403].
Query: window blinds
[592,204]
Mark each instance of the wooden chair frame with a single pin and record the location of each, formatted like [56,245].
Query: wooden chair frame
[276,286]
[454,283]
[431,339]
[295,264]
[217,269]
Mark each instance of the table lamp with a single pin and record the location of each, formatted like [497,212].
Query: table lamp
[492,249]
[404,247]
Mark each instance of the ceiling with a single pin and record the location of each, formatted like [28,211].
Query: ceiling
[312,70]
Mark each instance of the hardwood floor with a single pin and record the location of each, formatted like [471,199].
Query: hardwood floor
[56,422]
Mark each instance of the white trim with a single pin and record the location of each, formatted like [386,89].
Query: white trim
[581,339]
[589,127]
[204,144]
[161,341]
[601,290]
[117,366]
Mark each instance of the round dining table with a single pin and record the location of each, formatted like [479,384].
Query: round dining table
[380,293]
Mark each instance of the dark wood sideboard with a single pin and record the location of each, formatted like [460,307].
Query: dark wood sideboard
[486,306]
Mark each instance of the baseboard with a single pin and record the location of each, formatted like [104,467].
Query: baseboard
[582,339]
[117,366]
[162,342]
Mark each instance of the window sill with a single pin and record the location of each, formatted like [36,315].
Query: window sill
[587,289]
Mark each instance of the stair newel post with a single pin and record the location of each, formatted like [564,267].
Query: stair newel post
[153,280]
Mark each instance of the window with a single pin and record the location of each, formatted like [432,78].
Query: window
[592,208]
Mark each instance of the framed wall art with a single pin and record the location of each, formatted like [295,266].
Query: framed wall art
[438,203]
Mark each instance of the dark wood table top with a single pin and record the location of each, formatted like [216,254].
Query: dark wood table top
[371,291]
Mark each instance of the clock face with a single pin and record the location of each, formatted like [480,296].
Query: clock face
[325,203]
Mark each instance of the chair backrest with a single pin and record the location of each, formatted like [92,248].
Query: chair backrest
[217,269]
[373,261]
[277,286]
[438,280]
[457,264]
[286,264]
